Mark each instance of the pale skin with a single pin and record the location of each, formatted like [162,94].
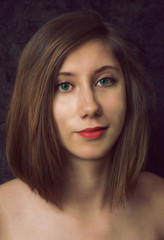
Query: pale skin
[85,102]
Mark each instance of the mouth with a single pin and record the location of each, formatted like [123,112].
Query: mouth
[92,133]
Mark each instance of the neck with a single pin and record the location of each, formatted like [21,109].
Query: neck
[85,184]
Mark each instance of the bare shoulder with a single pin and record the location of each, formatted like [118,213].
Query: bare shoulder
[8,186]
[12,197]
[151,187]
[11,194]
[11,191]
[16,205]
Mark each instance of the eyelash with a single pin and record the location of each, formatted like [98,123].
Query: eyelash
[111,79]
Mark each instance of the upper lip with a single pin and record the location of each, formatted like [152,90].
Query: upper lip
[98,128]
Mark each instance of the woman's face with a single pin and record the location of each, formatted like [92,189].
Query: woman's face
[90,101]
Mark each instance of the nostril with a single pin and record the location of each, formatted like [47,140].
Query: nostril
[89,107]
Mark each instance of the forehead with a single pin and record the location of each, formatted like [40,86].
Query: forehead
[91,54]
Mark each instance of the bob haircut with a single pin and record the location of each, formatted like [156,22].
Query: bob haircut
[33,149]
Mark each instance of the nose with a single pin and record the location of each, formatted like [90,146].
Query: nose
[88,105]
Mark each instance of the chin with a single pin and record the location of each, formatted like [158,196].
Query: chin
[90,155]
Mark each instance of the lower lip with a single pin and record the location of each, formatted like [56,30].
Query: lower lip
[92,135]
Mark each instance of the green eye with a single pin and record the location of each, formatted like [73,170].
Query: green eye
[106,81]
[64,86]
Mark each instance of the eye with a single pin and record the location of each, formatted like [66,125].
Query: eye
[106,81]
[65,86]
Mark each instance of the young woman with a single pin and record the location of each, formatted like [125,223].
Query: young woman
[77,137]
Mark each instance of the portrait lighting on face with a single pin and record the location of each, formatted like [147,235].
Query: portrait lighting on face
[90,101]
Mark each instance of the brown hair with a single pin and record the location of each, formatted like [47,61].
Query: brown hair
[32,145]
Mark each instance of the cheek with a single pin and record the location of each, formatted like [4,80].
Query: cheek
[115,106]
[62,111]
[58,113]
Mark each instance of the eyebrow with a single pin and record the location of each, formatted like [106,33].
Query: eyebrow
[99,70]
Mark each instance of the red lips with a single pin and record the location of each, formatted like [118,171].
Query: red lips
[92,133]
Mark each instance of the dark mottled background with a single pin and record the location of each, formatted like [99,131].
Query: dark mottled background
[142,21]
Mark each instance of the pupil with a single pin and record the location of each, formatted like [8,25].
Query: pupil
[104,81]
[65,86]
